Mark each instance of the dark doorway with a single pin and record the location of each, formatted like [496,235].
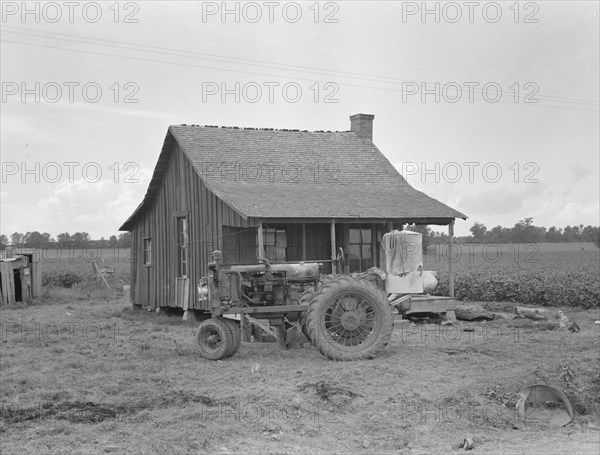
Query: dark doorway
[17,281]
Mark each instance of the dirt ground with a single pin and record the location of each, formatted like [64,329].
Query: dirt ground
[99,377]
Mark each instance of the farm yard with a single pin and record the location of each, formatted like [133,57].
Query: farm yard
[376,233]
[83,372]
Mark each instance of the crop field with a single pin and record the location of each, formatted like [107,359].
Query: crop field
[80,261]
[516,257]
[69,274]
[83,372]
[547,274]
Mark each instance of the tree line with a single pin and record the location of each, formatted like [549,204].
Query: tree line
[38,239]
[525,231]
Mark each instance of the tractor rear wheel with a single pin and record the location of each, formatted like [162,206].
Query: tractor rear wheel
[304,327]
[326,279]
[214,339]
[348,319]
[236,336]
[305,300]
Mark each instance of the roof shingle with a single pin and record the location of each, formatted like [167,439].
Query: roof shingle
[298,174]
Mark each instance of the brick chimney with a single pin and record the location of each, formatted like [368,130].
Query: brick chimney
[362,124]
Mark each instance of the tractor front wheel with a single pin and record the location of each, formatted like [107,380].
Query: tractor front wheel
[214,339]
[236,336]
[348,319]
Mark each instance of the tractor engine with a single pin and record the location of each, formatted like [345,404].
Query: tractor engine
[266,288]
[263,284]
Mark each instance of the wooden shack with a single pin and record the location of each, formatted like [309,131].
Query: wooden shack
[35,265]
[293,195]
[16,280]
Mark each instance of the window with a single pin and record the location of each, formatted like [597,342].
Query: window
[147,251]
[360,255]
[182,247]
[275,243]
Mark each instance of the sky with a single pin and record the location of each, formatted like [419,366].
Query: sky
[489,107]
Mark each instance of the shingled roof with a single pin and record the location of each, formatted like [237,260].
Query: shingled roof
[267,173]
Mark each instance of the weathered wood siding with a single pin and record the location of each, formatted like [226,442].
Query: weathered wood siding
[15,281]
[182,193]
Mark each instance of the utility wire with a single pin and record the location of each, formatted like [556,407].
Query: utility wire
[243,61]
[251,62]
[259,74]
[215,57]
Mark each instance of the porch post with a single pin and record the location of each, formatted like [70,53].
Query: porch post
[260,241]
[304,241]
[450,257]
[333,247]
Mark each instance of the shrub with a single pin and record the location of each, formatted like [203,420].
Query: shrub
[63,279]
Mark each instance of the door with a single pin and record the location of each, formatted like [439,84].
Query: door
[182,286]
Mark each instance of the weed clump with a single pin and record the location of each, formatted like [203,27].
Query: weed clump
[63,279]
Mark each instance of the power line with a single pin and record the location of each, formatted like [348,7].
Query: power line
[255,73]
[251,62]
[246,61]
[207,56]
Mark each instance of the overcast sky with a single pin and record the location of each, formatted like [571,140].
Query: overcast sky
[496,156]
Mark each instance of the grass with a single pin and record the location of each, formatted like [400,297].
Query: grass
[100,377]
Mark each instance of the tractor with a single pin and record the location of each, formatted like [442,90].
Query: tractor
[346,317]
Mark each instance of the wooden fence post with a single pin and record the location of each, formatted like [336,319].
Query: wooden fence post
[450,257]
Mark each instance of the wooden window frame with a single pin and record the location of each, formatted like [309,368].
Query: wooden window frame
[362,243]
[275,242]
[182,246]
[147,251]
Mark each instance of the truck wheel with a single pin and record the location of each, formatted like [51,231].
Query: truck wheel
[214,339]
[236,336]
[348,319]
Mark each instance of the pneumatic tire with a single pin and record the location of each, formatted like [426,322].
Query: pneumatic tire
[236,336]
[348,319]
[214,339]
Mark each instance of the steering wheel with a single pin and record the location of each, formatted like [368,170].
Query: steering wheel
[340,260]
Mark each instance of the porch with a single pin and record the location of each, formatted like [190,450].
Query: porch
[296,240]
